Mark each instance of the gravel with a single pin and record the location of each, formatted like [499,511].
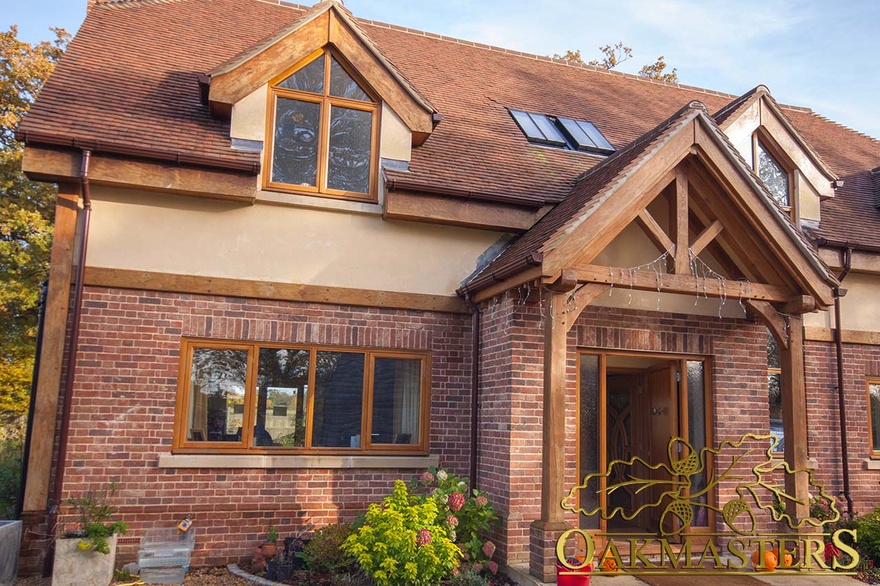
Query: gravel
[195,577]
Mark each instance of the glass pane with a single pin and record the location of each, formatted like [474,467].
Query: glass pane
[773,176]
[577,134]
[282,398]
[342,85]
[589,435]
[339,392]
[396,401]
[216,395]
[774,359]
[308,79]
[351,133]
[774,398]
[552,135]
[527,125]
[696,391]
[875,416]
[597,137]
[295,156]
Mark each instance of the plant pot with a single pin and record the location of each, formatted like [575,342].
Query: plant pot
[269,549]
[10,540]
[74,567]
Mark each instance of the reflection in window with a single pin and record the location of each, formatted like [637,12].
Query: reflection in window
[874,408]
[216,388]
[696,393]
[324,129]
[773,176]
[589,432]
[277,399]
[774,392]
[396,401]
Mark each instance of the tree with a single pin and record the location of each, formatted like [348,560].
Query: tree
[26,216]
[616,54]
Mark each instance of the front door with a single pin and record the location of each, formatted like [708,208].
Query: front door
[630,408]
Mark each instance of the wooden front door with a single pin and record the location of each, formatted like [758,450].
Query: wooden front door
[664,425]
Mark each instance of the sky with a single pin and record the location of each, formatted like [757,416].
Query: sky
[819,54]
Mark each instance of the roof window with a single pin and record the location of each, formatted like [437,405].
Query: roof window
[563,133]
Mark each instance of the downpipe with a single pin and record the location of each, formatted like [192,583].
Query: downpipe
[475,387]
[841,404]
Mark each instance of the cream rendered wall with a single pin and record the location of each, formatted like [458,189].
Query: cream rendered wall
[859,309]
[808,200]
[280,243]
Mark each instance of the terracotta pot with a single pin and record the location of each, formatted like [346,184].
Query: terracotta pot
[269,549]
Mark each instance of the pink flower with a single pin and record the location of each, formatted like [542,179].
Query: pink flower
[452,521]
[493,567]
[455,571]
[489,549]
[477,567]
[427,478]
[456,501]
[482,501]
[424,537]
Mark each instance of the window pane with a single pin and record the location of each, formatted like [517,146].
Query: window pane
[351,134]
[774,359]
[577,134]
[342,85]
[552,135]
[396,401]
[774,397]
[773,176]
[875,416]
[295,156]
[697,432]
[216,394]
[597,137]
[589,435]
[282,398]
[339,392]
[308,79]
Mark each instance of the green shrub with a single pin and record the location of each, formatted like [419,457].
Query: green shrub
[11,448]
[401,543]
[867,529]
[469,577]
[94,512]
[324,552]
[470,517]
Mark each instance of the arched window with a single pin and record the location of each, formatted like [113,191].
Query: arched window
[323,131]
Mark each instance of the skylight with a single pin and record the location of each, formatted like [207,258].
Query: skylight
[564,133]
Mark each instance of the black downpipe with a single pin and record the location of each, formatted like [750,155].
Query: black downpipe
[67,397]
[35,375]
[475,388]
[838,341]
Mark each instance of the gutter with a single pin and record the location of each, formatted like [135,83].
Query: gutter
[67,394]
[841,404]
[96,146]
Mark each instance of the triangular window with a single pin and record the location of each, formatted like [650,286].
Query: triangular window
[323,131]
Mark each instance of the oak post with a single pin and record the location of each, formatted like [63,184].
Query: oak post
[794,418]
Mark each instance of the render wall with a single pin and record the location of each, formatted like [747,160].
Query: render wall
[124,401]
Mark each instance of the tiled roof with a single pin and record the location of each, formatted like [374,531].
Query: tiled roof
[131,77]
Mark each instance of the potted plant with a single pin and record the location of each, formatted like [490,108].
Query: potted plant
[87,555]
[270,547]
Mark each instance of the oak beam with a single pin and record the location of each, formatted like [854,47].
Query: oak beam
[654,231]
[706,237]
[422,207]
[800,305]
[682,265]
[794,418]
[684,284]
[771,318]
[564,282]
[42,432]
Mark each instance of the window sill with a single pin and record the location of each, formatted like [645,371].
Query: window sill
[266,461]
[318,201]
[872,464]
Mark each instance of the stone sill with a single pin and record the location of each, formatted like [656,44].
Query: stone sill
[263,461]
[872,464]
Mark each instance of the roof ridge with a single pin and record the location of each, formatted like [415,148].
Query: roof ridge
[129,3]
[536,57]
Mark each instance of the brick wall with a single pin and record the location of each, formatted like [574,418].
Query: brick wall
[823,419]
[124,401]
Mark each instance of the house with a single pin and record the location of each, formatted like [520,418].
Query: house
[300,254]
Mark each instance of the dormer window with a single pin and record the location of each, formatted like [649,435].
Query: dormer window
[774,176]
[323,131]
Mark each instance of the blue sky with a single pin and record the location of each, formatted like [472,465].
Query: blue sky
[817,54]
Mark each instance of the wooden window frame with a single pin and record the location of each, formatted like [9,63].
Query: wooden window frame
[326,102]
[182,445]
[875,450]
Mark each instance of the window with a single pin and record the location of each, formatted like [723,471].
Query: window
[774,176]
[564,133]
[266,398]
[874,414]
[774,392]
[323,131]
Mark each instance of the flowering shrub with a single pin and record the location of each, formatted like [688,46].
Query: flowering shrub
[467,519]
[404,541]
